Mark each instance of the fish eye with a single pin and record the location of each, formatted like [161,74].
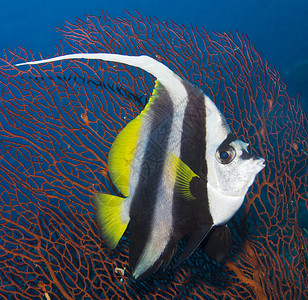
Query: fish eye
[225,154]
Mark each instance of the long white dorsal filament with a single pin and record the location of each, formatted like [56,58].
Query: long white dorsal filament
[169,79]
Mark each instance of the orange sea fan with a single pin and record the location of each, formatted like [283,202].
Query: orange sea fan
[57,123]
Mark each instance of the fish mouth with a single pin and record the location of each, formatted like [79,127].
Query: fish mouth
[261,163]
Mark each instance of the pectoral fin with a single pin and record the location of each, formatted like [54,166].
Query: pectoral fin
[183,176]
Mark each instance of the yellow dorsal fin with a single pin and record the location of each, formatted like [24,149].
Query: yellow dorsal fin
[123,149]
[183,175]
[108,213]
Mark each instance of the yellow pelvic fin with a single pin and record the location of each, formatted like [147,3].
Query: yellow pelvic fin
[108,214]
[123,149]
[183,175]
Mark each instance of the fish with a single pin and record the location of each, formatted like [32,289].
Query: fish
[180,169]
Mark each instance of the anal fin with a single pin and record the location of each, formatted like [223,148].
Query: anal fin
[193,242]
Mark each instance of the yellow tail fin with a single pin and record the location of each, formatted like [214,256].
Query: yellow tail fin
[108,214]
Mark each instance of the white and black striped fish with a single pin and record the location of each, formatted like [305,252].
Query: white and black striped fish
[180,169]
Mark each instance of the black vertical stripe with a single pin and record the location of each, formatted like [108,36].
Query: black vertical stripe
[191,215]
[193,146]
[145,196]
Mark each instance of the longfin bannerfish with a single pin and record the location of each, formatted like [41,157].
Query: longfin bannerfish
[179,167]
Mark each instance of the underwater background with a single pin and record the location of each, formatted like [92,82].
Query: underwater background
[278,28]
[58,121]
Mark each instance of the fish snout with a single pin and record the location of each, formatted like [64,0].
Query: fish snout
[259,163]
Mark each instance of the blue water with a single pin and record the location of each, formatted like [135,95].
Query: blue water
[277,27]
